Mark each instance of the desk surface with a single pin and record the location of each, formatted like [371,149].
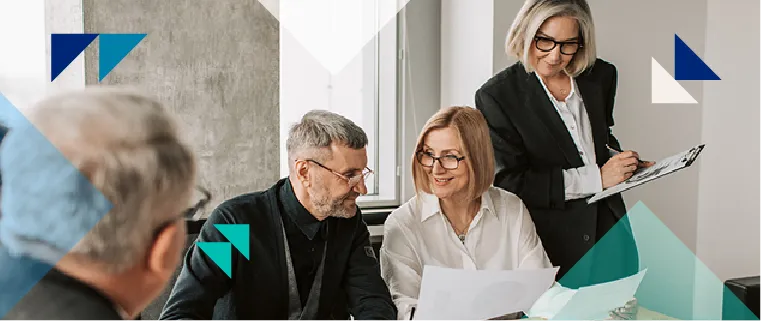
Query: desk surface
[642,314]
[645,314]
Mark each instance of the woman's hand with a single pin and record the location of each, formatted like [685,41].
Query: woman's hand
[620,167]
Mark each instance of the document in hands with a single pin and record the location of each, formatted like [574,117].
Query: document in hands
[456,294]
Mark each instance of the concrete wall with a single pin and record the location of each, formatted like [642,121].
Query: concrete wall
[215,64]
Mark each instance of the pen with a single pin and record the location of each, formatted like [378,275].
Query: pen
[615,151]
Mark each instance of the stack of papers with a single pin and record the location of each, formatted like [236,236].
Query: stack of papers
[456,294]
[593,302]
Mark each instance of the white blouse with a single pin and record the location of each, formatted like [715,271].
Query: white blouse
[586,180]
[501,237]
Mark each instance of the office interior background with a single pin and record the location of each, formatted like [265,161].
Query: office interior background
[237,78]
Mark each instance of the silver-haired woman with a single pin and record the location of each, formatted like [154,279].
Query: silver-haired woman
[550,116]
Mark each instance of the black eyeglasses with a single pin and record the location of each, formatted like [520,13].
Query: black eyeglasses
[566,47]
[187,214]
[351,180]
[447,161]
[201,204]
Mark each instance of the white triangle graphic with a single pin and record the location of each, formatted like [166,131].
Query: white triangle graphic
[333,31]
[666,90]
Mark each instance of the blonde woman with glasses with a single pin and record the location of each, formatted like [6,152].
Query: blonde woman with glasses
[550,117]
[457,219]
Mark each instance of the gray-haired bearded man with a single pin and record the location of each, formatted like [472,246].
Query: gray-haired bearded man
[310,255]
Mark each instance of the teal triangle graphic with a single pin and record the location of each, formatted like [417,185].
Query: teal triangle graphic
[677,284]
[237,234]
[113,48]
[47,206]
[219,253]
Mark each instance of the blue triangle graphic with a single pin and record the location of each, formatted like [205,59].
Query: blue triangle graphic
[677,284]
[687,64]
[219,253]
[64,48]
[238,235]
[40,186]
[113,48]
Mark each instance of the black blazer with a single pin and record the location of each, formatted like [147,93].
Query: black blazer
[531,143]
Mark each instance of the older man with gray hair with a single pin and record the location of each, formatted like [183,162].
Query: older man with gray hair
[95,188]
[310,254]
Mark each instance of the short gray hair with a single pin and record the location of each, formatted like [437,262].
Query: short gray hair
[533,14]
[317,130]
[127,146]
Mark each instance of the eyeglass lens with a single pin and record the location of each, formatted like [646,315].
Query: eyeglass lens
[566,48]
[446,161]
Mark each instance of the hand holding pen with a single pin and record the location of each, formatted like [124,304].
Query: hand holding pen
[621,166]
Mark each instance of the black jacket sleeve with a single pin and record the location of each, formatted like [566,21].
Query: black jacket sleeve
[367,294]
[201,282]
[536,186]
[611,99]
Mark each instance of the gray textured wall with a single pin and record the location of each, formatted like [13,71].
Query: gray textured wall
[215,64]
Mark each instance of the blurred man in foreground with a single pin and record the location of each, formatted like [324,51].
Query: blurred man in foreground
[84,154]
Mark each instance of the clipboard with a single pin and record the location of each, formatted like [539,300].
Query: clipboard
[659,169]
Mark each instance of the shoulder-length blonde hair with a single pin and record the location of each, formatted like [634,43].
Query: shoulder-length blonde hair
[533,14]
[475,143]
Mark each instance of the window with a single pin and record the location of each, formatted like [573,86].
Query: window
[25,28]
[365,91]
[22,63]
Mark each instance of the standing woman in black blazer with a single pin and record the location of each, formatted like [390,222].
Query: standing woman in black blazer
[550,116]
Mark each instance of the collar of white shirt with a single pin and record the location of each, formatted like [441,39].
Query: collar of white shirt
[570,94]
[431,205]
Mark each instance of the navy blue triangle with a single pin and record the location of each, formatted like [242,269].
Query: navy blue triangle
[64,48]
[688,66]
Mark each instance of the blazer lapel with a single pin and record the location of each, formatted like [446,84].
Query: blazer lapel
[594,105]
[537,100]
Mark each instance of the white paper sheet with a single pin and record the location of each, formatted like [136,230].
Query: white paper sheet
[596,301]
[456,294]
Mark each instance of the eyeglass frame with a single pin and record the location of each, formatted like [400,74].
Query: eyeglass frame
[421,153]
[356,177]
[556,43]
[187,214]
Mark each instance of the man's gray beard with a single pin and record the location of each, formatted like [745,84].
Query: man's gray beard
[326,208]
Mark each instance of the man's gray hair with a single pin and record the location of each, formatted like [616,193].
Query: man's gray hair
[317,130]
[118,141]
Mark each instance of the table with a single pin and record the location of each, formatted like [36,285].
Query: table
[642,314]
[645,314]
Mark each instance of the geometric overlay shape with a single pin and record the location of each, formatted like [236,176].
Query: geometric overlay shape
[64,48]
[669,287]
[333,31]
[665,89]
[41,188]
[237,234]
[220,253]
[687,64]
[112,48]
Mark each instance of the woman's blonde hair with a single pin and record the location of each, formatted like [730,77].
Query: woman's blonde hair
[473,132]
[531,17]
